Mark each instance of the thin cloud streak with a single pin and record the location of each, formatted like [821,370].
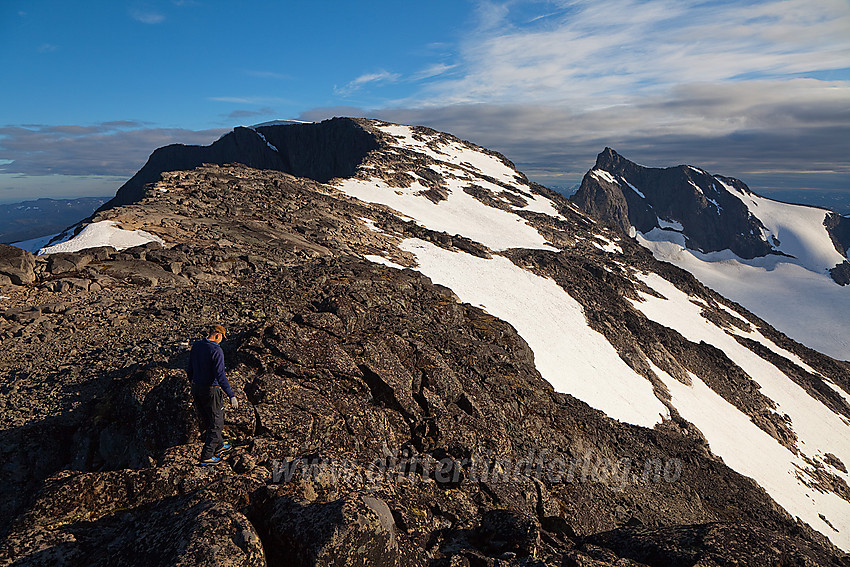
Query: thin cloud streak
[363,80]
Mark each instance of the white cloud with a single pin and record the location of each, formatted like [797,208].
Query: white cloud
[432,71]
[604,52]
[362,80]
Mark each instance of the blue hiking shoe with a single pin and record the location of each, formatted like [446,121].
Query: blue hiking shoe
[224,449]
[214,460]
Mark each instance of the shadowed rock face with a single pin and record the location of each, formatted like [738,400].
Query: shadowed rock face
[680,193]
[320,152]
[838,227]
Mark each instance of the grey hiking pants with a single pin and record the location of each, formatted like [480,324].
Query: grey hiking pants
[210,405]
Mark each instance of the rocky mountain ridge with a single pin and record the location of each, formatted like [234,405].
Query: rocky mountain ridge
[340,363]
[706,209]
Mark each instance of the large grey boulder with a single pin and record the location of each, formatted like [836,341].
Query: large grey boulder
[17,264]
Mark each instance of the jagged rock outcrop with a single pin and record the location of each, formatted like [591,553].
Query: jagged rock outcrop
[838,227]
[631,195]
[381,420]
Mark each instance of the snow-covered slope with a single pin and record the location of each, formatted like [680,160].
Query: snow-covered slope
[804,304]
[792,291]
[444,193]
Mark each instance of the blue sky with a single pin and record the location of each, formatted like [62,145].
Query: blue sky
[758,90]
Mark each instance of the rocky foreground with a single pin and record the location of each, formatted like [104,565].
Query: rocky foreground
[380,421]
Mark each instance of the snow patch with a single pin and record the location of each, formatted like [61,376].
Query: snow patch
[818,428]
[604,175]
[103,233]
[33,245]
[460,213]
[263,138]
[539,204]
[453,152]
[370,224]
[381,260]
[799,229]
[636,190]
[670,225]
[569,354]
[461,166]
[608,245]
[695,186]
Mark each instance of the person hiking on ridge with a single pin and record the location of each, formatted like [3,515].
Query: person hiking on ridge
[209,384]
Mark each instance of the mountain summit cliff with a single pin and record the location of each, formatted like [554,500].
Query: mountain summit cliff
[713,211]
[437,361]
[315,151]
[784,262]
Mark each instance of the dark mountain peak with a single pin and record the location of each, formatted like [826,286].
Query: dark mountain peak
[712,218]
[318,151]
[609,158]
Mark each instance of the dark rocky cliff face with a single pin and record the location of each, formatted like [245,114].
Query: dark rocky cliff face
[417,428]
[713,219]
[321,152]
[838,227]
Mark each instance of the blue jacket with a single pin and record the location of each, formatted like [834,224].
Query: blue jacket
[206,366]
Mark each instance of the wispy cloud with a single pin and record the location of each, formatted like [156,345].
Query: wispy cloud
[147,16]
[363,80]
[604,52]
[109,148]
[47,48]
[736,86]
[432,71]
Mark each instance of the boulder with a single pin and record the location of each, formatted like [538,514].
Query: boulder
[357,529]
[65,262]
[68,285]
[17,264]
[509,531]
[841,273]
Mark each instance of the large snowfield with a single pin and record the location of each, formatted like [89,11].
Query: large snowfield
[793,291]
[578,360]
[807,306]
